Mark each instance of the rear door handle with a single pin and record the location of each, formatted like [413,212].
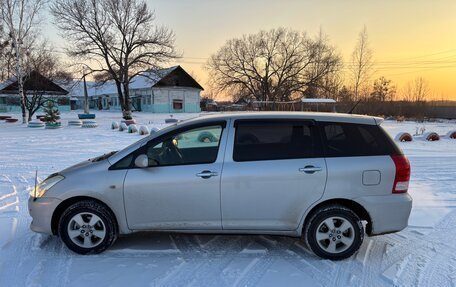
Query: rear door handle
[207,174]
[310,169]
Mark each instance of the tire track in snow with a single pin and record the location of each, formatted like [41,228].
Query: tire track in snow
[437,268]
[47,258]
[304,260]
[8,196]
[206,268]
[280,249]
[428,256]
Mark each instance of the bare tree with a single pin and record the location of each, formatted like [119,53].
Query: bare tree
[44,61]
[420,90]
[329,83]
[407,92]
[329,86]
[275,65]
[416,90]
[7,69]
[361,63]
[20,17]
[119,35]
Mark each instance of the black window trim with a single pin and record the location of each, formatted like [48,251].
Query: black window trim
[311,122]
[161,138]
[316,133]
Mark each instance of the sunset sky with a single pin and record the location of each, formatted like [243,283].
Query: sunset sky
[409,38]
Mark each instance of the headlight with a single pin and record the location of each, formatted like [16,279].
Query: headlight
[46,185]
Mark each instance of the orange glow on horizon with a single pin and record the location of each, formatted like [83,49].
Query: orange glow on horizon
[409,39]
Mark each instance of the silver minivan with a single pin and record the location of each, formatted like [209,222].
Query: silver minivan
[329,178]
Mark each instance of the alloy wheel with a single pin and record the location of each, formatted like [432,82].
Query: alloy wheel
[86,230]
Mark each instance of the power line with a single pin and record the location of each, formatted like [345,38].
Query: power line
[446,62]
[393,62]
[430,55]
[423,70]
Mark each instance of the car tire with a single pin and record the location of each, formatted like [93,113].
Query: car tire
[87,227]
[334,232]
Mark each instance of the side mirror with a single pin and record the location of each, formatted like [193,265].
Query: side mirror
[142,161]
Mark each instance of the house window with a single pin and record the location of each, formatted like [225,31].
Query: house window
[178,105]
[64,101]
[146,100]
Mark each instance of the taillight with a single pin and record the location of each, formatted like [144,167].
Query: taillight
[402,178]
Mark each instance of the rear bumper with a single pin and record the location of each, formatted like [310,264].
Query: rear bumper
[41,210]
[388,213]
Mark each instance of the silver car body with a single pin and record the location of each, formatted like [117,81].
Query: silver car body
[257,197]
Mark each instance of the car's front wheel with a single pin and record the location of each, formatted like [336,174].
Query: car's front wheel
[334,232]
[87,227]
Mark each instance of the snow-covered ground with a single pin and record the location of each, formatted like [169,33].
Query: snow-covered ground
[424,254]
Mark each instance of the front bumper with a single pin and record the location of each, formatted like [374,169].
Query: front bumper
[41,210]
[388,213]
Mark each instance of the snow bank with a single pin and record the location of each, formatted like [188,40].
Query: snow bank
[143,130]
[420,255]
[114,125]
[132,129]
[123,127]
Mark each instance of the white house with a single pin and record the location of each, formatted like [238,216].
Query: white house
[170,90]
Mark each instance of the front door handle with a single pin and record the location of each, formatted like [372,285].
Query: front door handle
[310,169]
[207,174]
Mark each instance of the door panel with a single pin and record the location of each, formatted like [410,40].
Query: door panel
[269,195]
[173,197]
[271,174]
[181,187]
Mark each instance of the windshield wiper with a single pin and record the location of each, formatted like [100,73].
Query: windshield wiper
[103,157]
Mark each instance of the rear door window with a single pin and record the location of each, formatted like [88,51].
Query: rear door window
[348,139]
[274,140]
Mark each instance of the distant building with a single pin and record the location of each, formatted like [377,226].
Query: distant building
[170,90]
[34,84]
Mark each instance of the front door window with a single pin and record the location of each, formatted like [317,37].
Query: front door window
[196,146]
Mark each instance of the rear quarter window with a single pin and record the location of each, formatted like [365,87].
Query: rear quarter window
[348,139]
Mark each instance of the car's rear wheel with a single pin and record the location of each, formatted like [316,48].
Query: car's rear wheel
[334,232]
[87,227]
